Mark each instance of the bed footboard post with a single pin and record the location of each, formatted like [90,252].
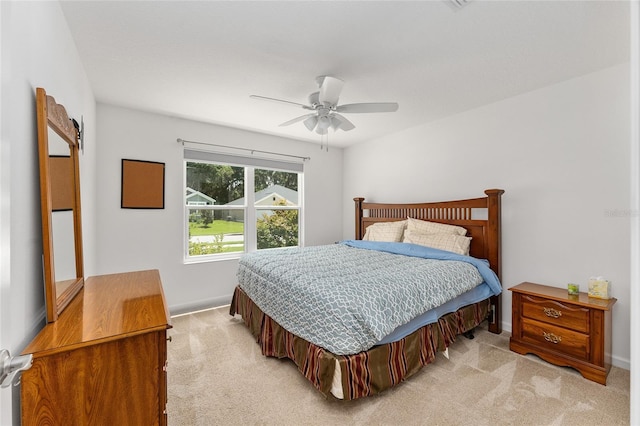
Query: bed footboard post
[359,230]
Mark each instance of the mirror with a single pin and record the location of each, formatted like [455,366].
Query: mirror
[60,204]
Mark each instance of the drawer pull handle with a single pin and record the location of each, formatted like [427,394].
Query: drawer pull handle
[553,313]
[550,337]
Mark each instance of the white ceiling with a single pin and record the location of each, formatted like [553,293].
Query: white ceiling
[202,59]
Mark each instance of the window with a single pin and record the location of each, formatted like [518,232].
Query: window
[237,204]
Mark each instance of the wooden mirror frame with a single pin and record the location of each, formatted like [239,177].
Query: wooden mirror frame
[51,115]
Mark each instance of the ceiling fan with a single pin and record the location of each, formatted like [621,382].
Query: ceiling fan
[326,111]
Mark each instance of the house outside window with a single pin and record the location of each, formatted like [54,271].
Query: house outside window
[235,205]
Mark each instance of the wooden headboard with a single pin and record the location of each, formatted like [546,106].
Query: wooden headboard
[480,216]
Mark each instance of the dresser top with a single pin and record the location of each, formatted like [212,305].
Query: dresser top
[562,295]
[109,307]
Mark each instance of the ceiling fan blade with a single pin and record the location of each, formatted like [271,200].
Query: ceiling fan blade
[297,119]
[280,100]
[368,107]
[330,89]
[340,122]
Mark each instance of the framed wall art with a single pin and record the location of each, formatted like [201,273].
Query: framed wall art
[142,184]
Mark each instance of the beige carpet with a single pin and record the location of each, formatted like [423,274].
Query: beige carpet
[217,376]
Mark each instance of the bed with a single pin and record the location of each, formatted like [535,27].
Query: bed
[383,355]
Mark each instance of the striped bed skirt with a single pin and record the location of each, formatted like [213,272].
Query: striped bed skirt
[366,373]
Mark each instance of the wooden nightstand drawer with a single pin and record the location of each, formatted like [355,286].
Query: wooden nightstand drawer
[556,338]
[556,313]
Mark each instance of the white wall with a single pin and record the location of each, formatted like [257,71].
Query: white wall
[635,210]
[153,239]
[562,156]
[37,51]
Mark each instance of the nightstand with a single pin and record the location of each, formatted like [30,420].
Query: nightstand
[563,329]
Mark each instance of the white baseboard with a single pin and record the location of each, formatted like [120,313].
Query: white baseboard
[199,305]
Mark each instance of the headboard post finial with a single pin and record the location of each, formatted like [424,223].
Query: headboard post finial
[496,192]
[358,201]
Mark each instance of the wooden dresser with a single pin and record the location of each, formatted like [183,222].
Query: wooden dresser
[103,362]
[563,329]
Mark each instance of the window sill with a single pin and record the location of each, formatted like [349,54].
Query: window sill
[215,258]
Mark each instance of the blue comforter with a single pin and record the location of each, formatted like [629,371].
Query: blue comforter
[415,250]
[346,297]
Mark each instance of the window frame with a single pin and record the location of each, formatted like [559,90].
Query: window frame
[248,207]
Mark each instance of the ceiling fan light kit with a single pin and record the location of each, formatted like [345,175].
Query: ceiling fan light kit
[326,111]
[324,122]
[310,122]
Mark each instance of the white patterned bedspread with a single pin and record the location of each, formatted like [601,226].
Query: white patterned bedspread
[346,299]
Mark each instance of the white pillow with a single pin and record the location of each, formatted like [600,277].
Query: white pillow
[385,231]
[425,227]
[450,242]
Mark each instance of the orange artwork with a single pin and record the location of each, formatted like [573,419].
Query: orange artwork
[142,184]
